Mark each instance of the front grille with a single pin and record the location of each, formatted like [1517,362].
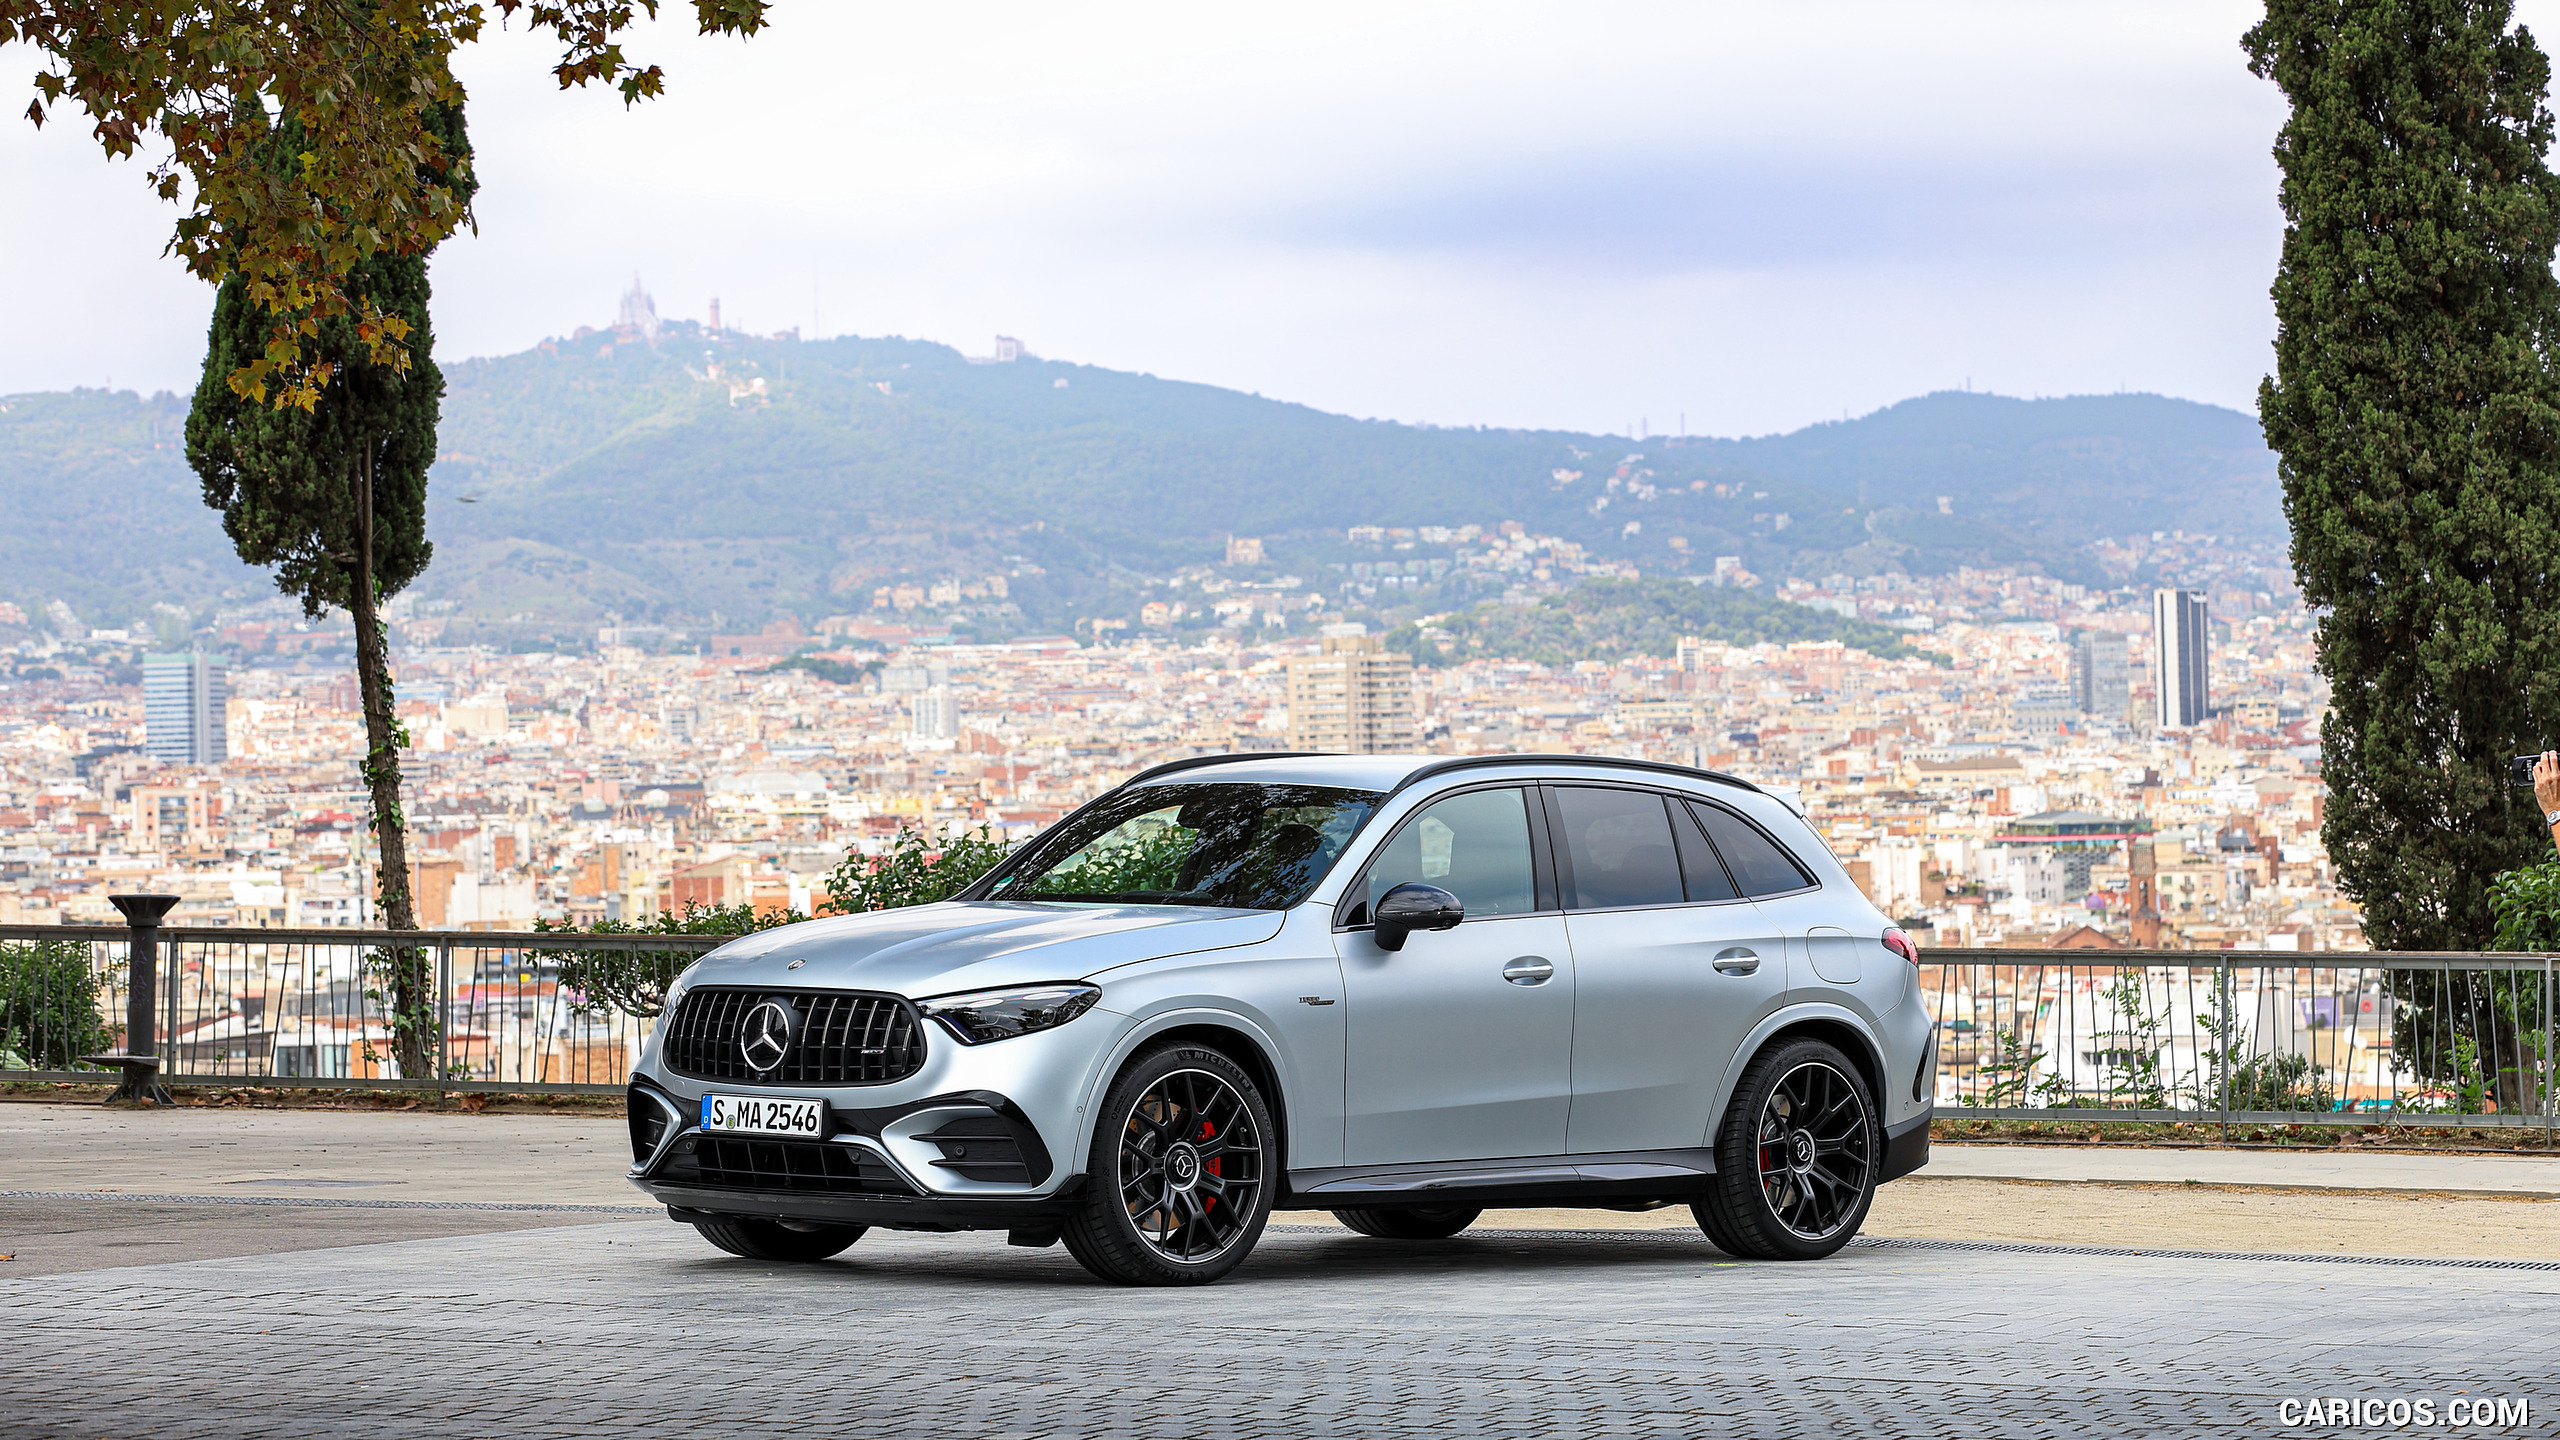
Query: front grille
[844,1039]
[797,1167]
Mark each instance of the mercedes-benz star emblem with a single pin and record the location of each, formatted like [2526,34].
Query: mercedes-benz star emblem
[767,1037]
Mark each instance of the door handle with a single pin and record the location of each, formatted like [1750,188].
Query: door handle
[1737,960]
[1529,970]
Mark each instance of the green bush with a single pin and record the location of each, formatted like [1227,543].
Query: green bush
[635,982]
[49,1014]
[2526,901]
[916,871]
[2289,1083]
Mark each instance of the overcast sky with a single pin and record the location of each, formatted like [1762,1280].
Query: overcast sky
[1590,214]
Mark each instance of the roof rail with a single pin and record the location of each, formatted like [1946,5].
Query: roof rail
[1194,762]
[1470,762]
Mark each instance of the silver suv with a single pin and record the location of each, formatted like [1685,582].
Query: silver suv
[1398,988]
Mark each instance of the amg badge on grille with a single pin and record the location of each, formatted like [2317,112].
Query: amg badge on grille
[767,1036]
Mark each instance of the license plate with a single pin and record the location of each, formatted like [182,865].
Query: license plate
[765,1115]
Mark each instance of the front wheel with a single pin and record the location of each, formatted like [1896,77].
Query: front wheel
[770,1240]
[1433,1222]
[1796,1159]
[1180,1172]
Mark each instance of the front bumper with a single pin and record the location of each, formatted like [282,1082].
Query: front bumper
[883,1212]
[978,1134]
[989,1166]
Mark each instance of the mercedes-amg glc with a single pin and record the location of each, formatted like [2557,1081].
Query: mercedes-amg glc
[1402,989]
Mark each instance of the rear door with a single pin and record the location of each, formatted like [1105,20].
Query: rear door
[1459,1046]
[1819,954]
[1672,966]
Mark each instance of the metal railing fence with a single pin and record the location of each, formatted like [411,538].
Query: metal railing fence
[2240,1037]
[314,1008]
[2453,1039]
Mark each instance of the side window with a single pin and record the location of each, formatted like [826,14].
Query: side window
[1699,866]
[1759,864]
[1475,846]
[1618,847]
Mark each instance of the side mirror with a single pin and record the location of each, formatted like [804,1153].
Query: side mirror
[1410,907]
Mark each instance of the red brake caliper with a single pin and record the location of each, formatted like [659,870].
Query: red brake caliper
[1209,1131]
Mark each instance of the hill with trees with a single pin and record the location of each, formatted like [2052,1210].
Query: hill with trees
[718,479]
[1611,619]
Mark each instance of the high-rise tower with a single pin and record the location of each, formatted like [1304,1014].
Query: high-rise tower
[2100,678]
[182,708]
[2182,656]
[1352,698]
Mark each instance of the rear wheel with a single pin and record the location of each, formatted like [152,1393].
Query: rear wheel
[1180,1172]
[770,1240]
[1435,1222]
[1796,1159]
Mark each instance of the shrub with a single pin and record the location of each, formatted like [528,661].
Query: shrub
[914,872]
[635,982]
[49,1014]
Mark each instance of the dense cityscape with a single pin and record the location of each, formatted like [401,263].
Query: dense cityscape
[2015,789]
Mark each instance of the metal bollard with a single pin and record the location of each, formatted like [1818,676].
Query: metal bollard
[140,1057]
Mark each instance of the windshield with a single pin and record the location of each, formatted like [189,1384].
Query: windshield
[1235,846]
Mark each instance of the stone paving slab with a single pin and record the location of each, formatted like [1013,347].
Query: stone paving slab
[553,1159]
[59,1233]
[2509,1175]
[611,1329]
[566,1160]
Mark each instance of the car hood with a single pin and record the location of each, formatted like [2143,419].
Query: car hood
[974,945]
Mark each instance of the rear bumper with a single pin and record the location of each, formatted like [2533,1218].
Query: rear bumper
[1906,1147]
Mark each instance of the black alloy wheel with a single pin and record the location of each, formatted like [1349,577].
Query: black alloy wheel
[1796,1159]
[1179,1188]
[1422,1222]
[772,1240]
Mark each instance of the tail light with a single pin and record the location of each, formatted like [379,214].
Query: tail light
[1900,944]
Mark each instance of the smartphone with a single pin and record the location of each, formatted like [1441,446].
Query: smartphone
[2520,770]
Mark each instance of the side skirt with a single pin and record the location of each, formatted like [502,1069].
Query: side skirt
[1627,1177]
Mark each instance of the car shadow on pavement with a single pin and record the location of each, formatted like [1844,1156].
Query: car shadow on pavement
[983,1259]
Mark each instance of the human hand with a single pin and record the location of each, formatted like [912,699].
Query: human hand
[2546,781]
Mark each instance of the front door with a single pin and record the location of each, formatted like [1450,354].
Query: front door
[1672,968]
[1459,1046]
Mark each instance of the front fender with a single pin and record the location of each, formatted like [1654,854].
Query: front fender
[1163,1019]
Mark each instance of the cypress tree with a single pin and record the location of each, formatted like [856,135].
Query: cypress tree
[2412,412]
[334,497]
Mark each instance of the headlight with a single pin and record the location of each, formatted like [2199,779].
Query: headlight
[1002,1014]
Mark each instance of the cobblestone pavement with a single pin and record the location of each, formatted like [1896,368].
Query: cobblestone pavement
[638,1327]
[52,1233]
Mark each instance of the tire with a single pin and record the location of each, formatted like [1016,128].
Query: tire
[1719,1234]
[1787,1187]
[767,1240]
[1180,1178]
[1435,1222]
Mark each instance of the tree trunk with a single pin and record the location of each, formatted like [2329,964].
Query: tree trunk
[412,1008]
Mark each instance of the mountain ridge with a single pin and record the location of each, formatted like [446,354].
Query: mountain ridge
[717,476]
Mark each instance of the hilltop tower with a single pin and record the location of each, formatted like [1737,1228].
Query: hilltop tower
[639,312]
